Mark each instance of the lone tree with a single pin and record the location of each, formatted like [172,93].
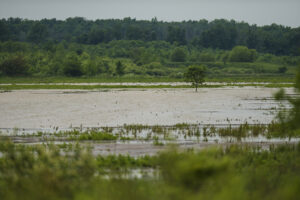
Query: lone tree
[195,75]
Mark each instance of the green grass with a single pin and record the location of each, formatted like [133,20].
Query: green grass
[244,130]
[95,136]
[211,77]
[95,87]
[270,78]
[100,79]
[224,78]
[80,135]
[159,134]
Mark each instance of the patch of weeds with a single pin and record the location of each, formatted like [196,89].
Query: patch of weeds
[157,142]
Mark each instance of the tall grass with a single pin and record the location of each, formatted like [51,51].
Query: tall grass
[236,172]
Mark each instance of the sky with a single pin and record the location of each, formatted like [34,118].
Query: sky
[260,12]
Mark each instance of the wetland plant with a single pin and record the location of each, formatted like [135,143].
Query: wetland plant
[65,171]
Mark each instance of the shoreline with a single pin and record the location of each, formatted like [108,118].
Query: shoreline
[143,85]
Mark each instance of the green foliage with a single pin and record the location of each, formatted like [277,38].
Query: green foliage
[221,35]
[195,75]
[290,118]
[176,34]
[72,66]
[42,172]
[120,68]
[14,66]
[178,55]
[242,54]
[72,172]
[191,171]
[4,32]
[207,57]
[217,34]
[282,70]
[37,33]
[123,162]
[225,57]
[95,136]
[142,59]
[91,67]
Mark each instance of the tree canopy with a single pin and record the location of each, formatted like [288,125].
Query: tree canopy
[217,34]
[242,54]
[195,75]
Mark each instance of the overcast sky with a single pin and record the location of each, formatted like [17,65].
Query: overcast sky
[261,12]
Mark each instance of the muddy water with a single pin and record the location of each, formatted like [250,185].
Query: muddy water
[73,108]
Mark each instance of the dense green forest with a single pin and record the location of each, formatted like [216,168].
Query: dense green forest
[218,34]
[129,47]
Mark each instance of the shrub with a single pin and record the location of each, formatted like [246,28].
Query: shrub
[15,65]
[207,57]
[242,54]
[178,55]
[282,70]
[72,66]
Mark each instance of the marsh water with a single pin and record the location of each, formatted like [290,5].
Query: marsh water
[29,111]
[34,109]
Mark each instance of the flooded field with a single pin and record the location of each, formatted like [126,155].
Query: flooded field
[141,121]
[46,109]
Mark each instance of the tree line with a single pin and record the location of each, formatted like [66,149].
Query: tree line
[131,58]
[218,34]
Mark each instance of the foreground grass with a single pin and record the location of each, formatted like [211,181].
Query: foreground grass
[51,172]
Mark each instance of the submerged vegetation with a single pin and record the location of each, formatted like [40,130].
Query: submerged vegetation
[164,134]
[290,118]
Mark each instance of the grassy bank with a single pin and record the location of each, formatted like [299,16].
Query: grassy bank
[272,78]
[94,87]
[135,79]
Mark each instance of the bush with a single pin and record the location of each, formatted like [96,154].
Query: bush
[207,57]
[72,66]
[242,54]
[13,66]
[178,55]
[282,70]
